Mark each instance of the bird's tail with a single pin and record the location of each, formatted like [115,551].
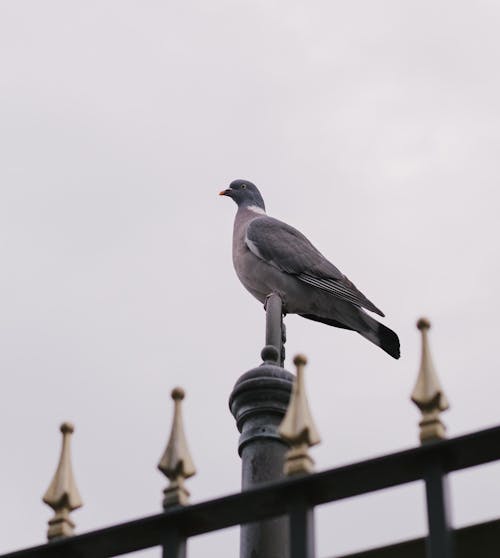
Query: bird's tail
[366,326]
[381,335]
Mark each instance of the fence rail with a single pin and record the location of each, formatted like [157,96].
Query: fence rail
[474,541]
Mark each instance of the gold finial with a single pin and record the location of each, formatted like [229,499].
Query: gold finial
[428,394]
[62,495]
[298,427]
[176,463]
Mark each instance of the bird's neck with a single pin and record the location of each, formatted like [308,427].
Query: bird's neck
[252,209]
[244,216]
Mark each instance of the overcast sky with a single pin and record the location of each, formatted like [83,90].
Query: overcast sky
[372,126]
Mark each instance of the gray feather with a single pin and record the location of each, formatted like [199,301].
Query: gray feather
[290,251]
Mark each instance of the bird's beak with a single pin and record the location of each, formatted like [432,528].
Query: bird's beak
[225,193]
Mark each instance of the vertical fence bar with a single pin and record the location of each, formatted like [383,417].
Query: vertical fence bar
[302,542]
[440,537]
[429,397]
[174,545]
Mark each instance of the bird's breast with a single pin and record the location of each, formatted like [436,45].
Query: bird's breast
[247,265]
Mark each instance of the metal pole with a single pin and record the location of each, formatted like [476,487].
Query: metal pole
[258,403]
[440,538]
[302,532]
[274,323]
[275,328]
[174,545]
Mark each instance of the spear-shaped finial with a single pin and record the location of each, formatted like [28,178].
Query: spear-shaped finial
[298,427]
[62,495]
[176,463]
[428,394]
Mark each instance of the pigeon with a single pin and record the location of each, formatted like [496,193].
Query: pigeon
[270,256]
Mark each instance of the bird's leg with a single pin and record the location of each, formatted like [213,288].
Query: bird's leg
[266,301]
[283,341]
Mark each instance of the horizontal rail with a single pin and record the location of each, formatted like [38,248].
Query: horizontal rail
[276,499]
[481,539]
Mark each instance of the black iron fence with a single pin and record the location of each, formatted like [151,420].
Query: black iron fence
[275,512]
[297,498]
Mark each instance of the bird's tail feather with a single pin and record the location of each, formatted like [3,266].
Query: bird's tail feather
[369,328]
[381,335]
[328,321]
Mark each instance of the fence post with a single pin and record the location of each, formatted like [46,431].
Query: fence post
[299,430]
[440,538]
[302,536]
[429,397]
[258,403]
[174,545]
[177,465]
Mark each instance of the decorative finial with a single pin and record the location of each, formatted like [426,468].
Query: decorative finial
[298,427]
[176,463]
[62,495]
[270,354]
[428,394]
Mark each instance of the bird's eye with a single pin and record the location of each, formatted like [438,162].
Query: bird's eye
[243,186]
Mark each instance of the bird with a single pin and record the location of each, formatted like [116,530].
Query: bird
[270,256]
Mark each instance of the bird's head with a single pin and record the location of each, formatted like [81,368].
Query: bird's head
[245,194]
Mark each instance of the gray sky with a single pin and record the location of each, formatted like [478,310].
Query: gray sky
[372,126]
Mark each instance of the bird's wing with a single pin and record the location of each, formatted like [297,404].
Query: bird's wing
[289,250]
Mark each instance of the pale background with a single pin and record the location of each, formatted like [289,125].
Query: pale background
[372,126]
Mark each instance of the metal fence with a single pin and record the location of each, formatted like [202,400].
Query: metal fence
[297,497]
[292,498]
